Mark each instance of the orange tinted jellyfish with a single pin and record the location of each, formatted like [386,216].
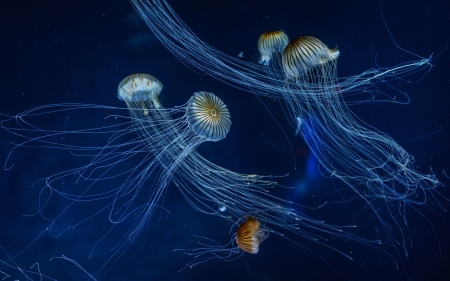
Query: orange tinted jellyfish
[249,235]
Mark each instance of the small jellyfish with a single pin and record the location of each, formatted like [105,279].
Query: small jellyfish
[247,238]
[271,46]
[249,235]
[136,88]
[305,54]
[271,43]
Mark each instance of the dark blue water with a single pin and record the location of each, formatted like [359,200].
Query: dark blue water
[59,52]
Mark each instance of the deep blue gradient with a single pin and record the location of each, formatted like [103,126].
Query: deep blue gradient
[79,51]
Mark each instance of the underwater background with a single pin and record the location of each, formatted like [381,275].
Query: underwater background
[78,52]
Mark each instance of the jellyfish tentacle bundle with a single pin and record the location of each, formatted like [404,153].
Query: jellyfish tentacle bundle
[175,35]
[131,160]
[310,87]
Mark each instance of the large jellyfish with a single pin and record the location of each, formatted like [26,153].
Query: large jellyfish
[369,161]
[303,73]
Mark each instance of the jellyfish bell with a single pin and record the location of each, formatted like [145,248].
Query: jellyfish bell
[370,162]
[250,234]
[140,87]
[305,54]
[208,116]
[270,43]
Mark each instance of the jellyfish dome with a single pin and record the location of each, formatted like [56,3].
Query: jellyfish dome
[305,54]
[270,43]
[249,235]
[138,87]
[247,238]
[208,116]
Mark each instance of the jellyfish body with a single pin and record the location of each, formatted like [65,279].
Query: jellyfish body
[247,238]
[270,43]
[271,46]
[249,235]
[370,162]
[208,116]
[139,87]
[305,54]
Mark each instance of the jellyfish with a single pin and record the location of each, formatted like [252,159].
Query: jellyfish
[270,43]
[246,239]
[270,46]
[370,162]
[249,235]
[303,56]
